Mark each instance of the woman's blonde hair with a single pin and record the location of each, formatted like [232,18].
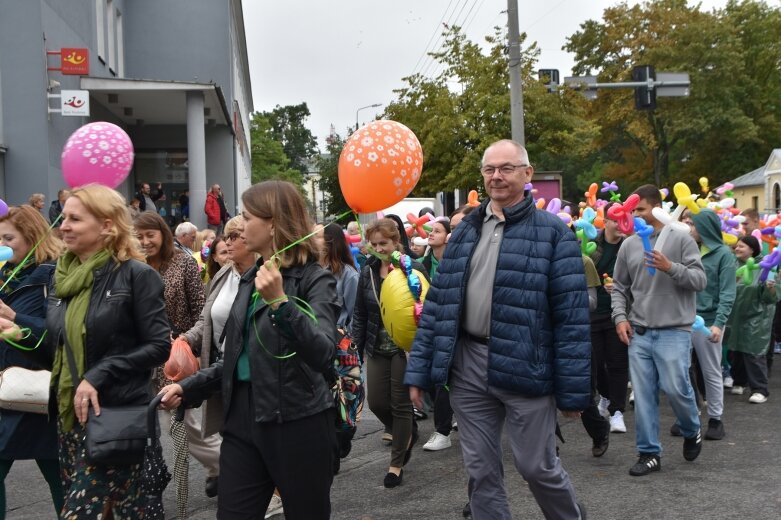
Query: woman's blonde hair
[281,202]
[387,228]
[106,204]
[232,225]
[36,197]
[34,228]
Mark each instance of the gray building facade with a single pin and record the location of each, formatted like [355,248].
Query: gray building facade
[173,74]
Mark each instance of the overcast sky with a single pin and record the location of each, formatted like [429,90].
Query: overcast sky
[341,55]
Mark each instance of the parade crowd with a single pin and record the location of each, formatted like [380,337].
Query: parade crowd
[522,314]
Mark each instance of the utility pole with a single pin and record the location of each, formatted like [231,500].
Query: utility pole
[516,88]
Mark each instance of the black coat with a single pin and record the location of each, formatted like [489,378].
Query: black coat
[283,389]
[27,435]
[366,317]
[128,333]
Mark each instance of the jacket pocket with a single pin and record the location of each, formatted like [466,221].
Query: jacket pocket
[306,376]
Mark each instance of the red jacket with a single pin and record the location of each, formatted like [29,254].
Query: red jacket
[212,209]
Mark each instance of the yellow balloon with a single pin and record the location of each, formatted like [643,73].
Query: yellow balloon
[397,307]
[729,238]
[704,184]
[685,198]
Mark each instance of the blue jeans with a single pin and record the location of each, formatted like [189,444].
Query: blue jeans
[659,360]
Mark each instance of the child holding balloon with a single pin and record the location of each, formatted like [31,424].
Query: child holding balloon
[748,329]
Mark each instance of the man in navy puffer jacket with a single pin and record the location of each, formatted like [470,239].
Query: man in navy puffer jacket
[506,326]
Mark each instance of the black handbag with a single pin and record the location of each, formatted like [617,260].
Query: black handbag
[117,436]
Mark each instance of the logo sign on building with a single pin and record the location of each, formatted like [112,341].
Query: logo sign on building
[75,102]
[74,61]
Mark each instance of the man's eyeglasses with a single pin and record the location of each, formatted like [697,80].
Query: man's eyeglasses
[234,235]
[505,169]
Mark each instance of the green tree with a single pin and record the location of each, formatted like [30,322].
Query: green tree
[269,160]
[726,126]
[328,166]
[460,111]
[288,127]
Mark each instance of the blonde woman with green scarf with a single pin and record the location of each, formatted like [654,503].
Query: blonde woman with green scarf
[109,305]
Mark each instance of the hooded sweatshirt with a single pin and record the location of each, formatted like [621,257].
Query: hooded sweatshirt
[714,303]
[664,300]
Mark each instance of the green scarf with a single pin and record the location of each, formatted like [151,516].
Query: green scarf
[73,282]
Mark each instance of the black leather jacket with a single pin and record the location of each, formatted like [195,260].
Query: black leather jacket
[283,389]
[366,316]
[128,333]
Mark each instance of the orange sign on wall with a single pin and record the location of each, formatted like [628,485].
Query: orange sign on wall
[74,61]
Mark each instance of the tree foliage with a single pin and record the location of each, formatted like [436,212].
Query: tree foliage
[730,121]
[328,166]
[269,160]
[288,127]
[464,108]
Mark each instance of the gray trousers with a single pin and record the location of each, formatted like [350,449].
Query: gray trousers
[709,359]
[482,412]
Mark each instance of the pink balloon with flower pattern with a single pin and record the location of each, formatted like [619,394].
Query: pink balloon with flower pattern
[98,152]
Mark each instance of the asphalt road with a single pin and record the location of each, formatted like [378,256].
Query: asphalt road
[737,478]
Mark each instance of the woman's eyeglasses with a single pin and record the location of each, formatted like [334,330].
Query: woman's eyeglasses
[233,235]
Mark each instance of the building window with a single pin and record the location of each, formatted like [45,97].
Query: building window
[776,197]
[112,37]
[100,26]
[120,46]
[755,202]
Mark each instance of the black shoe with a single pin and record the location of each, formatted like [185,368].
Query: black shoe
[692,446]
[467,511]
[715,430]
[675,430]
[392,480]
[211,486]
[600,446]
[412,443]
[647,463]
[582,509]
[420,415]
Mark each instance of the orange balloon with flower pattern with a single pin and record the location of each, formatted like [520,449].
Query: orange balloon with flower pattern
[380,164]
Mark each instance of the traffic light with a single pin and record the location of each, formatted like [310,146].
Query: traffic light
[645,98]
[550,77]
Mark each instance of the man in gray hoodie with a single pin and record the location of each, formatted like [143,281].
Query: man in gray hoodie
[654,314]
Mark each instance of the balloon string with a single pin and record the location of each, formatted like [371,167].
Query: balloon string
[310,235]
[304,307]
[25,334]
[23,263]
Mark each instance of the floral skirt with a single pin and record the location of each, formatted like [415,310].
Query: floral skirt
[91,491]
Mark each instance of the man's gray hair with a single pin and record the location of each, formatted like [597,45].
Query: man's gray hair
[521,150]
[185,228]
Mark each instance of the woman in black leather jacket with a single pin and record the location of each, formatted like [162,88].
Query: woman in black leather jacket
[280,340]
[109,305]
[386,363]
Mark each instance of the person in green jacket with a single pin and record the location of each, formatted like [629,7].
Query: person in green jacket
[714,304]
[749,326]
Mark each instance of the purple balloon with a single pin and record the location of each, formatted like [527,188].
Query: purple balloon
[3,208]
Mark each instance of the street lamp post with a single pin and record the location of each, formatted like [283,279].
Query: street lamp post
[375,105]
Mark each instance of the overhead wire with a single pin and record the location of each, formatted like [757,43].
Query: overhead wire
[432,61]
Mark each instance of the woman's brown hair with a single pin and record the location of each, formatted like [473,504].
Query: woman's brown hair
[103,203]
[33,227]
[387,228]
[281,202]
[152,221]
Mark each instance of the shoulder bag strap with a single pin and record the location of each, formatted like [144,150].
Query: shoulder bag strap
[374,287]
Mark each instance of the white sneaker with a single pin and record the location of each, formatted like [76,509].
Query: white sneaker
[728,382]
[632,398]
[274,507]
[736,390]
[437,442]
[757,398]
[617,423]
[602,406]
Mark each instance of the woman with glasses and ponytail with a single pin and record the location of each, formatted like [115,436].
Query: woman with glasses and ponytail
[280,339]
